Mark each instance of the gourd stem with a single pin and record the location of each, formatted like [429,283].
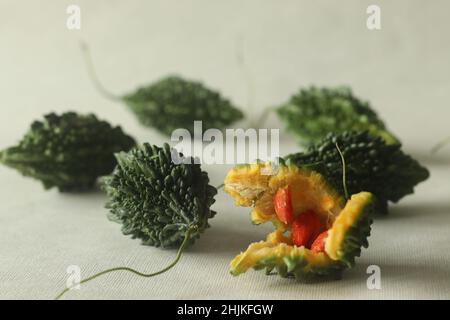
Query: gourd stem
[241,61]
[263,117]
[440,145]
[220,186]
[344,179]
[93,75]
[145,275]
[312,164]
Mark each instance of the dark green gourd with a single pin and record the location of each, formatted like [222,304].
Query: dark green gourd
[372,165]
[314,112]
[174,102]
[163,203]
[157,200]
[67,151]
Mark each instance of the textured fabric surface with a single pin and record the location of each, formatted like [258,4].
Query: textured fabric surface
[402,69]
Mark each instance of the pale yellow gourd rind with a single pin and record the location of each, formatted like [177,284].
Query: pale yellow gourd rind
[351,229]
[246,182]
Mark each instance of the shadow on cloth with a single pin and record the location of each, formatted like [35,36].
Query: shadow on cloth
[425,157]
[229,239]
[393,277]
[416,210]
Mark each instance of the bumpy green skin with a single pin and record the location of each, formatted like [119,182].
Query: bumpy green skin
[67,151]
[371,165]
[173,103]
[294,267]
[314,112]
[157,200]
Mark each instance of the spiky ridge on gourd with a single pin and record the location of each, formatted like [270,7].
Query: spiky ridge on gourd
[174,102]
[157,200]
[371,165]
[314,112]
[348,222]
[67,151]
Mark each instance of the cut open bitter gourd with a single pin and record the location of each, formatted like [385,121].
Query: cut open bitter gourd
[317,231]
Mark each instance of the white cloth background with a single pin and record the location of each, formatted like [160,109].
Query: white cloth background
[403,69]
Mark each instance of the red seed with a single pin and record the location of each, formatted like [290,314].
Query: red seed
[283,205]
[304,228]
[319,244]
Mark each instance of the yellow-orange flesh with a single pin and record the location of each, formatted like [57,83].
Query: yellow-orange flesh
[309,192]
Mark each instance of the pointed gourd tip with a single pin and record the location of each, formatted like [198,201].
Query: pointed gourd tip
[389,138]
[2,156]
[234,273]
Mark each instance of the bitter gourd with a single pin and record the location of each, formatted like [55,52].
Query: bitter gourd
[158,200]
[67,151]
[371,165]
[342,226]
[314,112]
